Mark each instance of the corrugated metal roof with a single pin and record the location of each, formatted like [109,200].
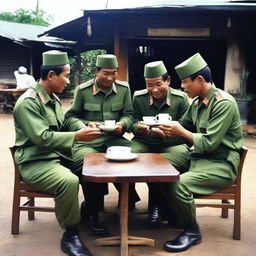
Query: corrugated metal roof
[16,31]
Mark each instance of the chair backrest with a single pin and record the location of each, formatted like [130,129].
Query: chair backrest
[243,152]
[17,177]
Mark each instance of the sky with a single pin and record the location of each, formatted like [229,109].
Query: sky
[61,12]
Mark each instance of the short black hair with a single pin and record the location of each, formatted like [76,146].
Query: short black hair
[205,73]
[44,70]
[165,76]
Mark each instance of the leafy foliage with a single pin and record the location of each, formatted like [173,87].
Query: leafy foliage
[39,17]
[244,84]
[85,72]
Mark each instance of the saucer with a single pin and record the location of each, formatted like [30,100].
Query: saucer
[121,157]
[157,123]
[107,128]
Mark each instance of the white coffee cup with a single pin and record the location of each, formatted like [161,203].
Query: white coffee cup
[148,119]
[109,123]
[118,150]
[163,118]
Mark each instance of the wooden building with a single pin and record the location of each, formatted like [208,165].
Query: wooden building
[224,34]
[21,46]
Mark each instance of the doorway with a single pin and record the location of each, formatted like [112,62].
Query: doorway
[173,52]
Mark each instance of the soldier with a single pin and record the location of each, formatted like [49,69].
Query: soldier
[157,98]
[99,99]
[212,124]
[45,154]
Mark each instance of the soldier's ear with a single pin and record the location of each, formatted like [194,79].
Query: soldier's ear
[200,79]
[96,70]
[51,74]
[168,81]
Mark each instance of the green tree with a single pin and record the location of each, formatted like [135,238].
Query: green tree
[38,17]
[86,72]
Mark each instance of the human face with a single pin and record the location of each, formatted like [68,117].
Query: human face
[59,82]
[157,87]
[106,77]
[192,88]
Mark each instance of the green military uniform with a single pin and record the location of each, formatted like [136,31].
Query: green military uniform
[217,136]
[44,152]
[175,104]
[91,104]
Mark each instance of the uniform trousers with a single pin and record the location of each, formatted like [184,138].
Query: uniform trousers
[59,177]
[205,176]
[177,155]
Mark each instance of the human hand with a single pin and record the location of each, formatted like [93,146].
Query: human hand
[88,134]
[156,132]
[142,129]
[93,124]
[119,128]
[172,130]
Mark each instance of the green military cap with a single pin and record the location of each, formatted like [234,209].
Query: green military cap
[190,66]
[154,69]
[106,61]
[55,58]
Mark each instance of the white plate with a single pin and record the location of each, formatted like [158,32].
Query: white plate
[121,157]
[158,123]
[107,128]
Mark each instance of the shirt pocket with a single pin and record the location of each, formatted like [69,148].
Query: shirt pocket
[203,126]
[92,107]
[117,106]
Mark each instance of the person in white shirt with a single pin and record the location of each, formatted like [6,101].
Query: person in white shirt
[23,79]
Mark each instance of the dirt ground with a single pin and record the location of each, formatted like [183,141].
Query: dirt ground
[42,236]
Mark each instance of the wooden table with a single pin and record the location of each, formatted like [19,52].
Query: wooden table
[147,167]
[9,97]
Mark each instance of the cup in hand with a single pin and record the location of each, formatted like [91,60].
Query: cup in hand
[109,123]
[118,150]
[163,118]
[148,119]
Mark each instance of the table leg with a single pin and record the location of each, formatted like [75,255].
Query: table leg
[124,219]
[124,239]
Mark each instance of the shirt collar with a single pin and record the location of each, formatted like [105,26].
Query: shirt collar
[209,95]
[96,89]
[43,95]
[165,101]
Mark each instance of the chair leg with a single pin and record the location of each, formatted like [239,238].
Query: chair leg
[15,213]
[224,211]
[237,220]
[31,214]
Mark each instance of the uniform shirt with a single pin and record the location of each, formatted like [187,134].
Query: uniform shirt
[40,132]
[24,80]
[91,104]
[175,104]
[216,126]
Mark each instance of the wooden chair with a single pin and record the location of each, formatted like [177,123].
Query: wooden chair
[232,193]
[23,190]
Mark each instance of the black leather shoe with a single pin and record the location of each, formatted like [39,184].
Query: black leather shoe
[95,227]
[184,241]
[92,221]
[72,245]
[155,217]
